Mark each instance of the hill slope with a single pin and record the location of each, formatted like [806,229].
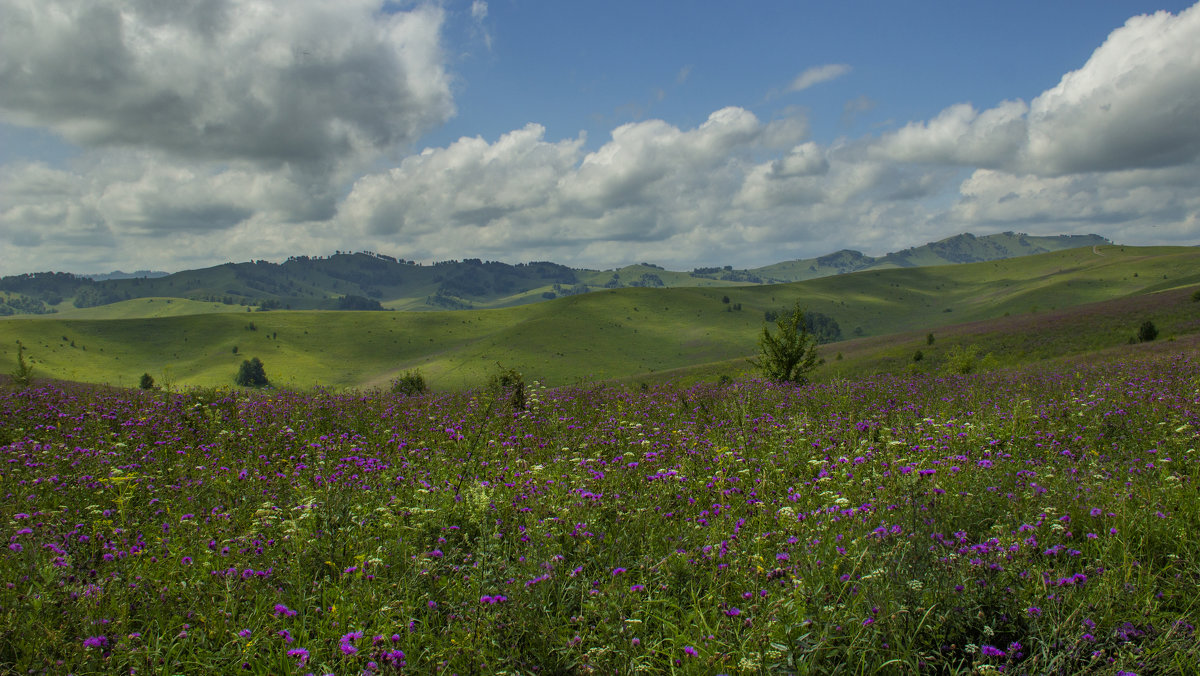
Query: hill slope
[370,281]
[614,333]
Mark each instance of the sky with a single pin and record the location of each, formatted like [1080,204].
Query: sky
[137,134]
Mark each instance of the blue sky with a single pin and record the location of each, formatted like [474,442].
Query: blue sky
[139,135]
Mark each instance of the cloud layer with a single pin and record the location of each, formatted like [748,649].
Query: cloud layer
[258,129]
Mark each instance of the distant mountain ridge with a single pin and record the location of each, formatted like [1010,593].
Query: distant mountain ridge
[372,281]
[119,274]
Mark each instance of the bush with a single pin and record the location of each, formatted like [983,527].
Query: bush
[22,376]
[918,356]
[252,374]
[411,384]
[1196,296]
[510,382]
[1147,332]
[790,354]
[963,360]
[147,382]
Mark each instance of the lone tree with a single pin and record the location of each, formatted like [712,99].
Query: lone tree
[147,382]
[1147,332]
[789,354]
[22,376]
[411,384]
[252,374]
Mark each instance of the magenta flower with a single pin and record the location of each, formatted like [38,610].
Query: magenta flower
[95,641]
[690,651]
[300,653]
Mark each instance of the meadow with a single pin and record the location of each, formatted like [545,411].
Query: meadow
[1026,520]
[630,335]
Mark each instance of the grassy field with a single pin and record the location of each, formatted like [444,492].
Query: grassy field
[1036,521]
[625,334]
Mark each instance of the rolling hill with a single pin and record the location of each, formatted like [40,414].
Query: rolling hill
[627,333]
[371,281]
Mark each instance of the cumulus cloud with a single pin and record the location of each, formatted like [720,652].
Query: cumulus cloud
[268,81]
[818,74]
[651,183]
[221,151]
[961,135]
[1134,104]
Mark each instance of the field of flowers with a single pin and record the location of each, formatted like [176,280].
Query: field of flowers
[1029,521]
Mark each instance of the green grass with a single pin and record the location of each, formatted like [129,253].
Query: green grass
[1038,520]
[625,334]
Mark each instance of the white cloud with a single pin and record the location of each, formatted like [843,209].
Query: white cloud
[272,81]
[1135,103]
[960,135]
[817,75]
[1113,149]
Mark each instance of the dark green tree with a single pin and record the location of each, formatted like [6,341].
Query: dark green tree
[411,384]
[788,355]
[23,375]
[252,374]
[147,382]
[1147,332]
[510,383]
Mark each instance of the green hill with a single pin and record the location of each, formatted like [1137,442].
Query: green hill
[370,281]
[627,333]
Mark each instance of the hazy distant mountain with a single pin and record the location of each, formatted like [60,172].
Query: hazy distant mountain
[118,274]
[370,281]
[964,248]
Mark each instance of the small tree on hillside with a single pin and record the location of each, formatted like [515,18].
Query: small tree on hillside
[1147,332]
[252,374]
[411,384]
[791,353]
[22,376]
[147,382]
[509,382]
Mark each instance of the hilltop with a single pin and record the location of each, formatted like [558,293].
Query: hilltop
[373,281]
[636,334]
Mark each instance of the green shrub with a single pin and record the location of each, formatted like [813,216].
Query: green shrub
[252,374]
[411,384]
[1147,332]
[22,376]
[790,354]
[147,382]
[509,382]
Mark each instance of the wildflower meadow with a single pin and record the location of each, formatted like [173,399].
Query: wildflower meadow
[1027,521]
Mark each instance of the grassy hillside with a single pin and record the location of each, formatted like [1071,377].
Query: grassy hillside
[370,281]
[621,333]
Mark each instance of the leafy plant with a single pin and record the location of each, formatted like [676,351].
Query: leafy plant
[22,376]
[252,374]
[510,382]
[791,353]
[1147,332]
[147,382]
[411,384]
